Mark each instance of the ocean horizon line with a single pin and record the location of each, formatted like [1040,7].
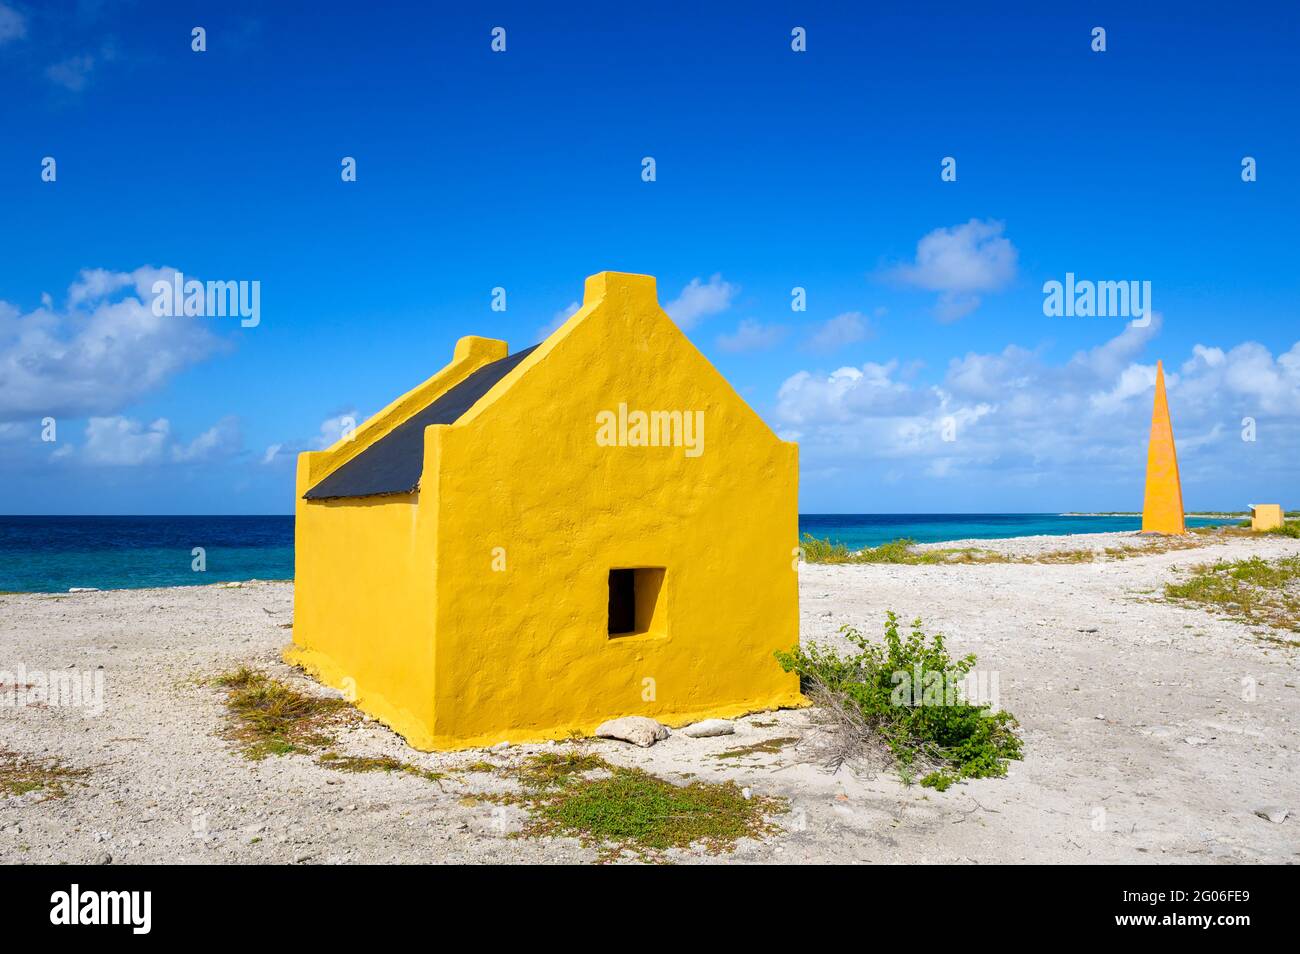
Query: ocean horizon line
[48,553]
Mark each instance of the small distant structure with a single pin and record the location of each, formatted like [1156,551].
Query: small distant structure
[527,545]
[1266,517]
[1162,506]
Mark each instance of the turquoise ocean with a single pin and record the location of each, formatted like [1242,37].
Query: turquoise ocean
[55,554]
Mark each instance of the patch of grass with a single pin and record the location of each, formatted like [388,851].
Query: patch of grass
[557,769]
[629,810]
[815,550]
[377,763]
[766,747]
[1290,528]
[903,551]
[1256,590]
[905,695]
[21,774]
[268,717]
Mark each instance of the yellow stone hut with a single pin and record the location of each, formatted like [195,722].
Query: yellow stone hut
[1266,517]
[529,544]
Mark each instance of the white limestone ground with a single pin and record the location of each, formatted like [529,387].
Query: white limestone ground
[1139,744]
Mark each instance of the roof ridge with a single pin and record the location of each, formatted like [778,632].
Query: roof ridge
[394,463]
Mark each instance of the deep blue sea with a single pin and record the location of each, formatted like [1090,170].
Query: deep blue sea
[53,554]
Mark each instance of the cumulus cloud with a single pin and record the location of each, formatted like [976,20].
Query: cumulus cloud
[960,263]
[840,331]
[222,439]
[124,442]
[751,335]
[103,350]
[331,431]
[1014,416]
[700,299]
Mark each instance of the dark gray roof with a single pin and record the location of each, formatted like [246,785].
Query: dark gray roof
[392,464]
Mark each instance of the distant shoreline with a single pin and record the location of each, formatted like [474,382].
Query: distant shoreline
[1207,514]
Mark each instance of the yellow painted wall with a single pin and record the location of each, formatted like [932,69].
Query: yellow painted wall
[1266,516]
[522,653]
[1162,505]
[365,572]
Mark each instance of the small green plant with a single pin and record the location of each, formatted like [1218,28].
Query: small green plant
[548,770]
[625,809]
[875,700]
[766,747]
[377,763]
[20,774]
[1291,528]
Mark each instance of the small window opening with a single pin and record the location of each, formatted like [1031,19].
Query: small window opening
[635,603]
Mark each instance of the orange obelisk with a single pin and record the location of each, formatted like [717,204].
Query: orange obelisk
[1162,508]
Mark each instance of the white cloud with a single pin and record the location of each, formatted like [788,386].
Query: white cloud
[122,442]
[222,439]
[330,431]
[559,318]
[840,331]
[959,263]
[751,335]
[98,354]
[846,395]
[13,25]
[701,299]
[119,441]
[1019,419]
[334,428]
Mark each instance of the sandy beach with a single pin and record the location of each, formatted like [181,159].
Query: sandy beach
[1153,732]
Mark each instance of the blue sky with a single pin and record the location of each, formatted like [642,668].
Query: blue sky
[775,169]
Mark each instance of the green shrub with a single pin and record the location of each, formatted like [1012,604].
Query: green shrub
[945,739]
[815,550]
[1254,590]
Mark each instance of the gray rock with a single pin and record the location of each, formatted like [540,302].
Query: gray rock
[1274,813]
[709,728]
[635,729]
